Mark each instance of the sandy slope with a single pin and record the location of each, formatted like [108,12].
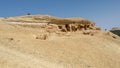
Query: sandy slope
[20,49]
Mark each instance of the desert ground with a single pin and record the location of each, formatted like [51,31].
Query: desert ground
[23,47]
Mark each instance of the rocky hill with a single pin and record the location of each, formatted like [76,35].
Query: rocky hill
[116,31]
[37,41]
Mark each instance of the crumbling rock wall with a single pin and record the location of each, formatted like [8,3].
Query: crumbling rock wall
[53,24]
[73,25]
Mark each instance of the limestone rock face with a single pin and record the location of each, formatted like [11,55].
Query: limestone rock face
[53,24]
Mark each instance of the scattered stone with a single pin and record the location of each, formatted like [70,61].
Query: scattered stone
[114,37]
[11,39]
[86,32]
[42,36]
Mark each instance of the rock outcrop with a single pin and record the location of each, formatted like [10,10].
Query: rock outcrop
[53,24]
[115,31]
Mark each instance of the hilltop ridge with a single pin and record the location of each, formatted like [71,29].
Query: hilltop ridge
[62,24]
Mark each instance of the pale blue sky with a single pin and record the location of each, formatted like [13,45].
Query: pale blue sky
[106,13]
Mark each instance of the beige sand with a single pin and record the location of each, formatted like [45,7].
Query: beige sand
[19,48]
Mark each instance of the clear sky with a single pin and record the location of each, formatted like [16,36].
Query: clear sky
[106,13]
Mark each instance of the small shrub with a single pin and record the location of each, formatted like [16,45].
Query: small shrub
[28,13]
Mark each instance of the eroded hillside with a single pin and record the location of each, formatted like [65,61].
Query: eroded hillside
[40,42]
